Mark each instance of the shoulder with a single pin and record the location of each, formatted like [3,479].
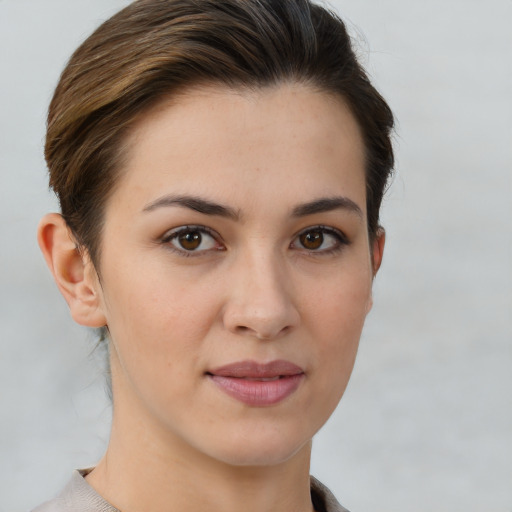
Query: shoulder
[55,505]
[323,499]
[77,496]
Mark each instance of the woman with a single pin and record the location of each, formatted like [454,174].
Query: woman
[220,168]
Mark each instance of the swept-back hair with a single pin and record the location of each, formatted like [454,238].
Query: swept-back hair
[154,48]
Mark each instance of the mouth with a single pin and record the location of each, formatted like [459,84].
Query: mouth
[256,384]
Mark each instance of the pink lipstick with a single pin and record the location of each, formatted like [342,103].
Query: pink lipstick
[258,384]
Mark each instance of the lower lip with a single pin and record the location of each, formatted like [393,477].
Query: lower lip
[258,393]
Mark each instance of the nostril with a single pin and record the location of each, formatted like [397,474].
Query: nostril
[261,334]
[244,330]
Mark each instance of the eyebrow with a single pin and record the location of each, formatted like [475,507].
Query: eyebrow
[206,207]
[327,204]
[193,203]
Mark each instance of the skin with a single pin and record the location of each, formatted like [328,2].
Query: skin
[251,291]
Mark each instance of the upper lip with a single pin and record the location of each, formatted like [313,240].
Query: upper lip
[253,369]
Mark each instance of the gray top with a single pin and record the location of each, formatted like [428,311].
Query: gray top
[79,496]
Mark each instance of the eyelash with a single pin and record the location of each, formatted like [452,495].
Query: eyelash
[340,240]
[175,233]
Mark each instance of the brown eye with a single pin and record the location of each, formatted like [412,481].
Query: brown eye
[312,240]
[190,240]
[193,239]
[320,240]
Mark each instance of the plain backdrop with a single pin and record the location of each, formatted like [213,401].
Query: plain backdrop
[426,423]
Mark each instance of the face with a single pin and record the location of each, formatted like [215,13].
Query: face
[236,270]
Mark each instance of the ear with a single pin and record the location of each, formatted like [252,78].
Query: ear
[377,255]
[378,249]
[72,270]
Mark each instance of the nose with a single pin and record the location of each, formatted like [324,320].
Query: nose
[261,301]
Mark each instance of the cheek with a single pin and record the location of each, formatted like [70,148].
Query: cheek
[154,318]
[338,305]
[335,320]
[157,331]
[336,335]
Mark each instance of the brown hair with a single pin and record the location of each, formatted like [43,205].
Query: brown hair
[153,48]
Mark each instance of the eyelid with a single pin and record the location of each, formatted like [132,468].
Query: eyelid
[341,239]
[172,233]
[340,236]
[175,232]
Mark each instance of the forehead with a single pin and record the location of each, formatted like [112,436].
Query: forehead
[219,139]
[257,112]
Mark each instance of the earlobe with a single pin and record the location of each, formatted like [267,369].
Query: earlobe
[73,271]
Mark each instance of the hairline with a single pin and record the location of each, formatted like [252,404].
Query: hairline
[128,135]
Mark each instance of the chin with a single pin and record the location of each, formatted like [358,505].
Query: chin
[246,451]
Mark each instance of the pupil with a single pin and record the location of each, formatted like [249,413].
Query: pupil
[312,239]
[191,240]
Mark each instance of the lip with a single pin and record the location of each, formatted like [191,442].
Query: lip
[258,384]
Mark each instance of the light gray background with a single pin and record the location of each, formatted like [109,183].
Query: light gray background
[426,423]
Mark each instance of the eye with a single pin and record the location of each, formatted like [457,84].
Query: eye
[320,239]
[192,239]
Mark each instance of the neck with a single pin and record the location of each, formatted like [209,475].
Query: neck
[137,475]
[148,468]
